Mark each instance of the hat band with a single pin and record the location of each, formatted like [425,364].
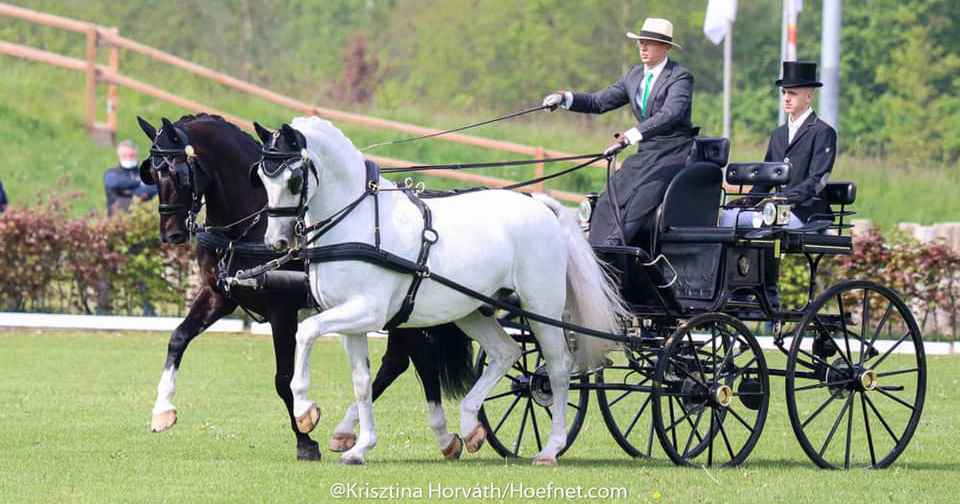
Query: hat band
[655,36]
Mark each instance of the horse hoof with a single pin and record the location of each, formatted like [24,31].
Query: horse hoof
[163,421]
[351,461]
[476,438]
[309,452]
[342,441]
[454,449]
[308,421]
[545,461]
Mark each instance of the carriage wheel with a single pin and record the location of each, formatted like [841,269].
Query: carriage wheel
[710,392]
[627,413]
[858,347]
[516,413]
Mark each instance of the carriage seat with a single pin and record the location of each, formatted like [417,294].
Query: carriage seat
[776,173]
[709,149]
[839,193]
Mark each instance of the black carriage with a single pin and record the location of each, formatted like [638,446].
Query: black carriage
[693,374]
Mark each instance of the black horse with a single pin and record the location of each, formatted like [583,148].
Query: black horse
[204,160]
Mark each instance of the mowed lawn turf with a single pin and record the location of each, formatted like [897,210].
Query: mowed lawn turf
[75,411]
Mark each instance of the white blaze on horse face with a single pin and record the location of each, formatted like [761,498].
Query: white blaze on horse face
[279,234]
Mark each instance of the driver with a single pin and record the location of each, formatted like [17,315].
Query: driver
[660,94]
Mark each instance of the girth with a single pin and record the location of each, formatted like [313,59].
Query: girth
[249,248]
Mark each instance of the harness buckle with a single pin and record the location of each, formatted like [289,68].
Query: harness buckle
[373,187]
[299,228]
[430,235]
[425,272]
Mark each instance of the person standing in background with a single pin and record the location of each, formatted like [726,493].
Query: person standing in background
[122,182]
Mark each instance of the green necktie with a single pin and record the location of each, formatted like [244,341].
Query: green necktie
[646,93]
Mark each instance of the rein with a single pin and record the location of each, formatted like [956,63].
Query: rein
[461,128]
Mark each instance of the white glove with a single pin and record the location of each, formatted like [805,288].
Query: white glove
[553,100]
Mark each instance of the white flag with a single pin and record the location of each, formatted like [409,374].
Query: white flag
[719,14]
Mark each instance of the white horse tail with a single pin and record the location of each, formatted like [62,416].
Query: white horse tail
[593,298]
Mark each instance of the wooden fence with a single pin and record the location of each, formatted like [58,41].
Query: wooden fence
[110,38]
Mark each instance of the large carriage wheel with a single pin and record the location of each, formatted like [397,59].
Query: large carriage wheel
[627,413]
[710,392]
[516,413]
[858,347]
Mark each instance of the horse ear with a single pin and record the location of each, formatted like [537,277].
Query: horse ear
[255,175]
[264,134]
[167,125]
[147,128]
[291,135]
[146,175]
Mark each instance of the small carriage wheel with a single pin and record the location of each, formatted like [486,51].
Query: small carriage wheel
[515,414]
[627,413]
[846,355]
[710,392]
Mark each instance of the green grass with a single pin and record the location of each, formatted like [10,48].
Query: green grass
[46,150]
[76,410]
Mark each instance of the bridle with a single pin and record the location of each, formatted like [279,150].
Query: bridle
[183,165]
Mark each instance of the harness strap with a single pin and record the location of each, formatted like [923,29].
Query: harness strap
[427,239]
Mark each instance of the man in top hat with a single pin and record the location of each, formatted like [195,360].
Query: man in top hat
[809,145]
[660,94]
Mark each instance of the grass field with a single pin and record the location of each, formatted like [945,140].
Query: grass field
[74,427]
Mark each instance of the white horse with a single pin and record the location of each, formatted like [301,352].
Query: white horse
[488,241]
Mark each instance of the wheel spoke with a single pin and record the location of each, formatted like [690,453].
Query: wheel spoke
[637,416]
[703,376]
[680,368]
[822,384]
[505,415]
[523,423]
[741,420]
[826,442]
[895,398]
[574,406]
[818,359]
[846,453]
[502,394]
[696,423]
[890,350]
[826,331]
[846,333]
[723,433]
[819,409]
[673,433]
[876,334]
[882,421]
[536,429]
[866,424]
[676,421]
[899,371]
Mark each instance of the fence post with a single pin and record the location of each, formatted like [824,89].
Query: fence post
[91,94]
[538,169]
[112,88]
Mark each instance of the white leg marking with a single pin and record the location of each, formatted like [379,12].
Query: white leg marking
[358,354]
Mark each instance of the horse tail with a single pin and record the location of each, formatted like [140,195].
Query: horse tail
[593,298]
[455,351]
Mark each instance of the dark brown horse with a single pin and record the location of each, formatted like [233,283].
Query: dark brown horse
[203,160]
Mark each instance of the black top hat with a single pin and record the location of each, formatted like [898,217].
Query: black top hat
[799,74]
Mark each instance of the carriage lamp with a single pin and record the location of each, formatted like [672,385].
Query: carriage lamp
[584,212]
[757,219]
[783,214]
[769,214]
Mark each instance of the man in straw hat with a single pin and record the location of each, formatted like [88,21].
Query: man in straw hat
[809,145]
[660,94]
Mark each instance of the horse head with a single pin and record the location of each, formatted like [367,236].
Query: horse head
[168,168]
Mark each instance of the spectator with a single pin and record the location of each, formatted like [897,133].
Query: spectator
[3,198]
[122,182]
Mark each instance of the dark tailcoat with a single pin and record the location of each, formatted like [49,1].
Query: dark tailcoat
[811,156]
[667,137]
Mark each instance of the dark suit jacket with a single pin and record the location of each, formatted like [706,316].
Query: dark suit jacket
[669,103]
[811,156]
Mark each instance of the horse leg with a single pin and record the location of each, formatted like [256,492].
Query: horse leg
[425,357]
[207,308]
[501,352]
[558,360]
[354,316]
[358,355]
[395,362]
[283,323]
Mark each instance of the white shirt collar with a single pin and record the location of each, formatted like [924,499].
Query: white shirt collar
[794,126]
[656,69]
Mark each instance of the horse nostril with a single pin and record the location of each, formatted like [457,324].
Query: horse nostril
[280,244]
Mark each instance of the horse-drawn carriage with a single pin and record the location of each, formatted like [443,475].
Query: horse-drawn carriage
[687,366]
[691,371]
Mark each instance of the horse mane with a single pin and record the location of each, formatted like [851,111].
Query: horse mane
[320,127]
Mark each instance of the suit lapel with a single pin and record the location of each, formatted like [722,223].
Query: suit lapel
[804,128]
[658,85]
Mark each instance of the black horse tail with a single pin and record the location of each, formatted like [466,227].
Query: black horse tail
[455,350]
